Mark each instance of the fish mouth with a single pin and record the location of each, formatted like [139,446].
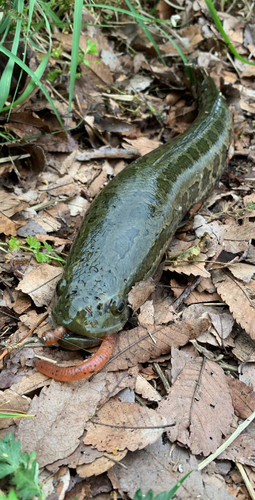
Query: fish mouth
[92,327]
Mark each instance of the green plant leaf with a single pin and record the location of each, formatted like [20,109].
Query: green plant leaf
[42,257]
[13,243]
[91,47]
[21,468]
[26,477]
[33,242]
[11,496]
[9,455]
[48,246]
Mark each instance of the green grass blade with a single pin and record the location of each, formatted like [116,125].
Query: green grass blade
[50,13]
[146,31]
[182,55]
[75,46]
[173,490]
[6,78]
[12,415]
[122,11]
[223,33]
[36,81]
[5,23]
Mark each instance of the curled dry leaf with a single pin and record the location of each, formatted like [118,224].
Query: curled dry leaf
[199,397]
[236,297]
[146,390]
[124,418]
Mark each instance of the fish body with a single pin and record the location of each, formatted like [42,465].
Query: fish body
[127,228]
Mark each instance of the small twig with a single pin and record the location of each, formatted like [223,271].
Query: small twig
[246,480]
[162,377]
[132,427]
[33,328]
[114,461]
[190,288]
[196,388]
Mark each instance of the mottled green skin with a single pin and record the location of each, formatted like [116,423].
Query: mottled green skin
[128,227]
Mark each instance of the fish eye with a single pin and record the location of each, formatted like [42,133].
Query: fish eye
[120,306]
[117,306]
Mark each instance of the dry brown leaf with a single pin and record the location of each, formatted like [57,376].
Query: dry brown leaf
[146,390]
[98,183]
[46,222]
[159,466]
[78,206]
[62,142]
[7,226]
[248,374]
[235,296]
[244,349]
[243,398]
[242,271]
[140,292]
[143,145]
[194,297]
[136,346]
[177,246]
[82,455]
[236,237]
[223,324]
[40,283]
[163,312]
[20,302]
[191,267]
[55,239]
[10,203]
[179,359]
[29,383]
[63,186]
[61,412]
[101,464]
[146,316]
[195,404]
[243,449]
[125,418]
[98,71]
[12,402]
